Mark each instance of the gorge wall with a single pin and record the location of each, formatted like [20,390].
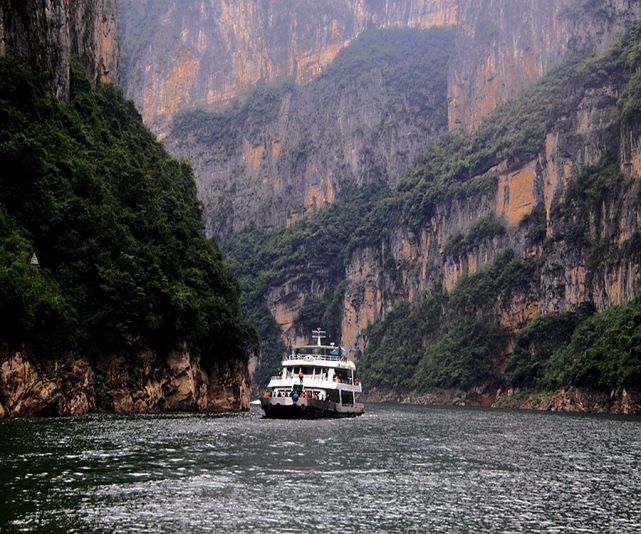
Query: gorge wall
[503,47]
[302,153]
[543,195]
[285,152]
[221,48]
[49,33]
[535,214]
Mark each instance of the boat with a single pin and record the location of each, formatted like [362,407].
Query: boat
[314,381]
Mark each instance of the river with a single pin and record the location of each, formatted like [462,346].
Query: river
[398,468]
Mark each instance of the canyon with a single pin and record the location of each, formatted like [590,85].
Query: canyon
[274,143]
[371,165]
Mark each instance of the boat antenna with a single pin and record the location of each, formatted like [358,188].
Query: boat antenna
[318,334]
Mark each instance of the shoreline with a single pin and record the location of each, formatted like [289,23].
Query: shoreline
[619,401]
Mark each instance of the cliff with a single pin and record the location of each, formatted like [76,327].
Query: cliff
[221,48]
[111,297]
[286,151]
[49,33]
[503,47]
[440,281]
[144,383]
[303,139]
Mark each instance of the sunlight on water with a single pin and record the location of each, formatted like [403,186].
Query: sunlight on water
[397,468]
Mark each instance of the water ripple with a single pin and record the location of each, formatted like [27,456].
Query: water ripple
[396,469]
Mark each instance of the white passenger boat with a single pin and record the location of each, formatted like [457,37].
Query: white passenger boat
[314,381]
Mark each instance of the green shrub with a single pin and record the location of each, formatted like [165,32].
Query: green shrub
[465,357]
[604,351]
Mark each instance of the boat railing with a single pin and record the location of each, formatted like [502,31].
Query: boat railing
[312,379]
[310,357]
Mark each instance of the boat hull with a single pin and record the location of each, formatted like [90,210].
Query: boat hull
[286,408]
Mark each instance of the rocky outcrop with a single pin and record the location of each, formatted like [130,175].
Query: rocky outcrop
[50,32]
[220,48]
[144,383]
[504,46]
[580,400]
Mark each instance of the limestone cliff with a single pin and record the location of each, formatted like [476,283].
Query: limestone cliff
[550,179]
[307,154]
[504,46]
[76,386]
[220,48]
[571,271]
[286,151]
[51,32]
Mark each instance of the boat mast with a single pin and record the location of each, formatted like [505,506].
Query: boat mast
[318,334]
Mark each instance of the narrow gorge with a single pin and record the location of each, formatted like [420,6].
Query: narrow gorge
[451,183]
[450,187]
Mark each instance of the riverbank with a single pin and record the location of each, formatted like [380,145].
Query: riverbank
[140,383]
[621,401]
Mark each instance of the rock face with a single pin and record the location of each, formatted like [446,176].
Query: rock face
[50,32]
[569,273]
[504,46]
[307,153]
[146,383]
[219,48]
[579,400]
[600,266]
[286,152]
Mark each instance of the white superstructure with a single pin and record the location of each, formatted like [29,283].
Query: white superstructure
[314,380]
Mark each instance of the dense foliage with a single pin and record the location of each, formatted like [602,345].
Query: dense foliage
[449,340]
[604,351]
[116,228]
[535,344]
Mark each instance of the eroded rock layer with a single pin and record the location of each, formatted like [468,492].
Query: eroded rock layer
[146,383]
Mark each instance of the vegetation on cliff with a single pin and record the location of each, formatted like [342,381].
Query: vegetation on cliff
[450,340]
[115,225]
[456,340]
[284,149]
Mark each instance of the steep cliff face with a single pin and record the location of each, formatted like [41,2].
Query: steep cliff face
[534,215]
[285,152]
[146,383]
[502,47]
[270,172]
[49,33]
[547,195]
[220,48]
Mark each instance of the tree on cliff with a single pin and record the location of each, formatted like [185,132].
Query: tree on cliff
[116,227]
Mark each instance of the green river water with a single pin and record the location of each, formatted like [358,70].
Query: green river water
[398,468]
